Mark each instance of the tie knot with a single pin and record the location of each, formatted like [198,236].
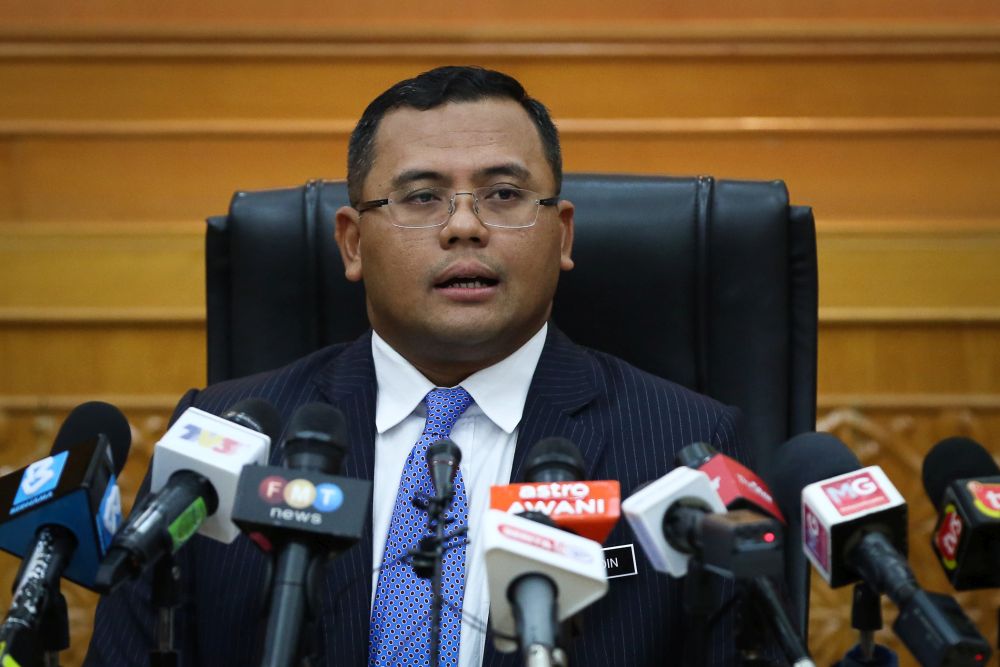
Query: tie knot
[444,407]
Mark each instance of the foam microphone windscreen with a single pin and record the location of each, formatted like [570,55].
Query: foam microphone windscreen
[256,414]
[803,460]
[89,419]
[952,459]
[554,460]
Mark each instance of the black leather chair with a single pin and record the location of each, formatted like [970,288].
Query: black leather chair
[709,283]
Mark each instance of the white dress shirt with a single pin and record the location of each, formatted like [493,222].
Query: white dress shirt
[486,433]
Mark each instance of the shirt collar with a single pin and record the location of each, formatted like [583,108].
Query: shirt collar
[500,390]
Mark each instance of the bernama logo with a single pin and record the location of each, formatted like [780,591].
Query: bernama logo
[297,496]
[39,481]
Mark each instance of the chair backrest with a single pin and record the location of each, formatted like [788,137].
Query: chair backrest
[711,284]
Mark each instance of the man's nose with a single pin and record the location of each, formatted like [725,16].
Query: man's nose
[464,223]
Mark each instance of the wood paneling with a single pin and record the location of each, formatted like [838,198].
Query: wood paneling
[436,17]
[859,178]
[604,86]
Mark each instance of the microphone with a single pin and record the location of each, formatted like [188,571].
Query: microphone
[737,486]
[300,512]
[685,531]
[740,488]
[196,466]
[963,482]
[539,575]
[63,511]
[443,458]
[680,516]
[854,528]
[555,486]
[531,591]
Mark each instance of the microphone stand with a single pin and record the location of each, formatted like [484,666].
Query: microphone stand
[428,561]
[53,630]
[698,589]
[866,618]
[165,598]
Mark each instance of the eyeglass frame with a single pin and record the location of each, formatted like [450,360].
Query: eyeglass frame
[373,204]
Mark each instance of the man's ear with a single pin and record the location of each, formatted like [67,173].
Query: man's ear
[348,235]
[565,211]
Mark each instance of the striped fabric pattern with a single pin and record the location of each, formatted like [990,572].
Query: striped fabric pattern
[627,423]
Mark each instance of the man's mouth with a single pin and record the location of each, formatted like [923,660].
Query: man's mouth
[467,282]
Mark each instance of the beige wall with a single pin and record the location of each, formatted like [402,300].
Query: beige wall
[121,128]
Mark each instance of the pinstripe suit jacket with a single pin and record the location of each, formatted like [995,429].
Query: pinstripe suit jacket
[628,425]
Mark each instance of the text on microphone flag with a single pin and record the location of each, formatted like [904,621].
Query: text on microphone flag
[987,498]
[587,508]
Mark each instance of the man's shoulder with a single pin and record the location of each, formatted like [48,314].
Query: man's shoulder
[293,384]
[620,380]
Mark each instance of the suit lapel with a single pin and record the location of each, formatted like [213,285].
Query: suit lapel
[348,383]
[563,386]
[559,404]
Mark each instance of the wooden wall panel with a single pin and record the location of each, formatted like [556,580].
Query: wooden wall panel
[43,91]
[468,20]
[861,180]
[81,359]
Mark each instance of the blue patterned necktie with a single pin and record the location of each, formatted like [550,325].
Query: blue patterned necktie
[400,623]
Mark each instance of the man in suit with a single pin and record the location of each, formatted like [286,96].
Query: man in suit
[456,229]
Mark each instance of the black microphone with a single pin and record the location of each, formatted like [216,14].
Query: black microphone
[554,460]
[306,513]
[63,511]
[539,573]
[443,458]
[854,528]
[963,482]
[740,489]
[534,596]
[196,466]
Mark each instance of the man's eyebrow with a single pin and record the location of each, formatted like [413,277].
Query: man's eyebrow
[506,169]
[413,175]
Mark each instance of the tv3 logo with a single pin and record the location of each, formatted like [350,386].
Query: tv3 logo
[856,493]
[949,536]
[986,497]
[213,441]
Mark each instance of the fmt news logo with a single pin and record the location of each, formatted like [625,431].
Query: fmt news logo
[212,441]
[298,495]
[39,481]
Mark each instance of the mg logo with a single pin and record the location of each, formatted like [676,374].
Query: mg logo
[856,493]
[815,538]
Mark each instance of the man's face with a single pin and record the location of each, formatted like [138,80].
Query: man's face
[415,301]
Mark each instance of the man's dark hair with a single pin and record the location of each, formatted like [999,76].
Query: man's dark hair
[433,89]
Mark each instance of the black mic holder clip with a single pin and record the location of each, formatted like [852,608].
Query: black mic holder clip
[430,550]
